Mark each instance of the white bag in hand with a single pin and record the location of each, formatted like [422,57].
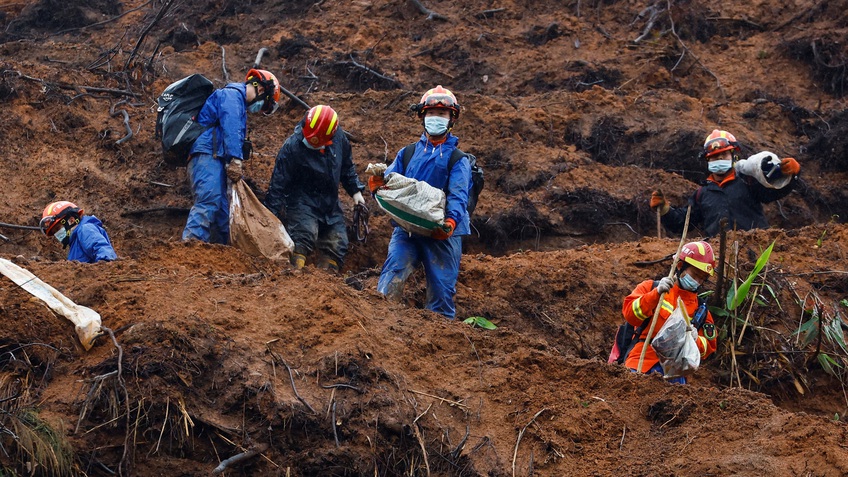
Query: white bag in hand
[415,205]
[675,344]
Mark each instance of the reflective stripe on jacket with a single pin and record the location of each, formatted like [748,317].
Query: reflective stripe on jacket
[640,305]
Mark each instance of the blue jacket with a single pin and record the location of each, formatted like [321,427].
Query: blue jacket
[226,111]
[89,242]
[307,177]
[430,164]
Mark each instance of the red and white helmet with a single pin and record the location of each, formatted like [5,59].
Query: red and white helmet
[268,81]
[438,98]
[319,126]
[699,255]
[59,214]
[719,141]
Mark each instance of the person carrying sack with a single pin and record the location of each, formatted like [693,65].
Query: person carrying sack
[694,267]
[441,251]
[218,152]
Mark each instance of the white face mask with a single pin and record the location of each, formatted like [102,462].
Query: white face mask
[256,107]
[688,283]
[436,126]
[720,166]
[61,235]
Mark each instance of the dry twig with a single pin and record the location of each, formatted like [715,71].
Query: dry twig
[239,457]
[146,30]
[126,115]
[520,435]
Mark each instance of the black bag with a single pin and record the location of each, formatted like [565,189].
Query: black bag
[477,181]
[176,123]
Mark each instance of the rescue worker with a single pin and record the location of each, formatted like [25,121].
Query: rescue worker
[83,235]
[441,252]
[217,153]
[694,267]
[735,189]
[307,172]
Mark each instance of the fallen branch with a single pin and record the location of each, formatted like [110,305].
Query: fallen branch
[520,435]
[655,13]
[490,13]
[105,21]
[275,356]
[126,115]
[335,431]
[169,210]
[224,64]
[146,30]
[239,457]
[73,87]
[431,15]
[653,262]
[341,385]
[368,70]
[18,227]
[420,438]
[120,379]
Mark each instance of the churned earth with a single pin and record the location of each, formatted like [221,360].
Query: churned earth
[576,111]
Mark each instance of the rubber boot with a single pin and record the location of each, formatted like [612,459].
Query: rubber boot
[298,260]
[329,264]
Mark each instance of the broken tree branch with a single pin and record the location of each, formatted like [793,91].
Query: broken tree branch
[276,357]
[73,87]
[126,115]
[239,457]
[368,70]
[224,64]
[168,210]
[431,15]
[146,30]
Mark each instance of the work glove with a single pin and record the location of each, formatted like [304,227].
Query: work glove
[358,199]
[235,170]
[789,166]
[375,182]
[445,231]
[665,284]
[658,201]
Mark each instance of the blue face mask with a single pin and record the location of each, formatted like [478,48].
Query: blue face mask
[688,283]
[310,146]
[720,166]
[436,126]
[256,107]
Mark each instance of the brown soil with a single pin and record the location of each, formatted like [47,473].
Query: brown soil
[575,123]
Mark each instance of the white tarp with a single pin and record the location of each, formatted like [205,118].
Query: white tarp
[86,320]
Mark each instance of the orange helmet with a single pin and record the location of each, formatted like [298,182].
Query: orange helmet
[699,255]
[59,214]
[319,126]
[268,81]
[718,142]
[438,98]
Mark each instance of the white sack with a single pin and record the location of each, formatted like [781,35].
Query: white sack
[675,344]
[753,167]
[86,320]
[415,205]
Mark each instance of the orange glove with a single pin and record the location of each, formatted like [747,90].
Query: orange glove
[445,231]
[658,200]
[375,182]
[789,166]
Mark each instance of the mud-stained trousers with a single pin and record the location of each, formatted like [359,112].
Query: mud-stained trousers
[441,268]
[326,232]
[209,218]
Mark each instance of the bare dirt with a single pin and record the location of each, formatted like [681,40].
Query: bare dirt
[576,110]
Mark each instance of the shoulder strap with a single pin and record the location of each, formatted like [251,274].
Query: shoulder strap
[408,152]
[456,155]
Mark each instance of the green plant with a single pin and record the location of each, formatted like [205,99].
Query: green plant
[481,322]
[736,297]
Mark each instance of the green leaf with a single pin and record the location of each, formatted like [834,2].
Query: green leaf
[833,333]
[810,330]
[720,312]
[827,363]
[742,292]
[843,302]
[481,322]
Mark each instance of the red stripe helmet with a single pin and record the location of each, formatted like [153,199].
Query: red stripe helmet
[699,255]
